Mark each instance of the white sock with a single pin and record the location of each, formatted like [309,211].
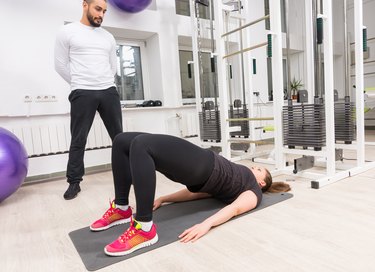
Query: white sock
[146,226]
[122,207]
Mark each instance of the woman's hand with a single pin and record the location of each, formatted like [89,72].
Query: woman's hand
[246,201]
[157,203]
[195,232]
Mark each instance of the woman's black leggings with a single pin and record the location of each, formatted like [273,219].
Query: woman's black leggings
[136,156]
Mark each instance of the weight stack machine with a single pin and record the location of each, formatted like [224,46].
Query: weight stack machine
[345,121]
[209,122]
[239,110]
[304,126]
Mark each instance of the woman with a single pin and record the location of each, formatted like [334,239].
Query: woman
[135,158]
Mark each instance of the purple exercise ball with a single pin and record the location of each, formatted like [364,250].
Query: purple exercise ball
[13,163]
[131,6]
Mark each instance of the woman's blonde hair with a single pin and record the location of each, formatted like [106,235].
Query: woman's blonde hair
[274,187]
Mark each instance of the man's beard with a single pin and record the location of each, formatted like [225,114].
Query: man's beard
[92,21]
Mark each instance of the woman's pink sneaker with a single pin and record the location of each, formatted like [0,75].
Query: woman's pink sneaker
[132,239]
[112,217]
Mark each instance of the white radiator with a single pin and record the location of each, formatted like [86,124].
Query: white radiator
[51,139]
[189,125]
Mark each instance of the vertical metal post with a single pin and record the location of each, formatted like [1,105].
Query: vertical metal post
[315,48]
[328,86]
[227,48]
[358,26]
[221,79]
[197,80]
[320,77]
[277,81]
[241,55]
[309,49]
[346,52]
[213,49]
[287,48]
[248,70]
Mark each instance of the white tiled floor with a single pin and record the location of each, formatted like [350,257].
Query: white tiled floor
[330,229]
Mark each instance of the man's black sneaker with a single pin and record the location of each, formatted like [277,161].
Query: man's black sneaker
[72,191]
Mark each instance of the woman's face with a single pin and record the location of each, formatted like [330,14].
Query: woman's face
[260,175]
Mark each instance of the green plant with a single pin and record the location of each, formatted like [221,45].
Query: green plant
[295,85]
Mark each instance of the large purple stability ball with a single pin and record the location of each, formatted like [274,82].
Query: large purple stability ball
[131,6]
[13,163]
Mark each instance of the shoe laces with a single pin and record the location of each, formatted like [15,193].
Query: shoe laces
[111,210]
[128,234]
[131,231]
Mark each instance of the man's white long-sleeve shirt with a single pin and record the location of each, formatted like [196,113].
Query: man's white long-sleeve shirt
[85,56]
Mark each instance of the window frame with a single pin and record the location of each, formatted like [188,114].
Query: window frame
[191,101]
[187,101]
[202,9]
[144,68]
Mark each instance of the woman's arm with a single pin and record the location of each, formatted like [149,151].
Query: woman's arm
[244,202]
[180,196]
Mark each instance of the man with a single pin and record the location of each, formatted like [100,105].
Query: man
[85,57]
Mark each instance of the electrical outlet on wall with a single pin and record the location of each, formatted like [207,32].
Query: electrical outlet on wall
[27,98]
[39,98]
[45,98]
[52,98]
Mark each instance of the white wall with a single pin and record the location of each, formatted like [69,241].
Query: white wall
[27,55]
[26,66]
[27,69]
[26,51]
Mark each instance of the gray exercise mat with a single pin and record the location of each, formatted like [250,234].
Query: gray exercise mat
[171,220]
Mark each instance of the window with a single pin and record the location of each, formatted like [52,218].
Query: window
[208,79]
[187,79]
[183,8]
[129,78]
[283,18]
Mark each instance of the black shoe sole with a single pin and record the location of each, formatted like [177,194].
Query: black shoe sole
[71,197]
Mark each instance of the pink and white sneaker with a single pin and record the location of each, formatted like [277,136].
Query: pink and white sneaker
[132,239]
[112,217]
